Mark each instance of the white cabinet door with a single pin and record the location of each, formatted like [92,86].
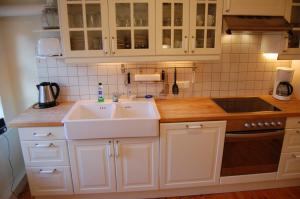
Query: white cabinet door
[191,154]
[92,165]
[137,164]
[172,27]
[132,27]
[289,166]
[84,27]
[254,7]
[205,26]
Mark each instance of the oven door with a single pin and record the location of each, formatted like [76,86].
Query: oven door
[251,152]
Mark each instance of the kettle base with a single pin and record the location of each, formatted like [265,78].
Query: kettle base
[46,105]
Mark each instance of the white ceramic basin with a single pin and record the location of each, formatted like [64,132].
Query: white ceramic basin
[89,119]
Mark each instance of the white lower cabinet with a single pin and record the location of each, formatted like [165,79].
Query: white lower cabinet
[49,180]
[191,154]
[100,166]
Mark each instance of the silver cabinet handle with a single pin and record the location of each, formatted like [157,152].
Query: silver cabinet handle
[228,5]
[186,44]
[51,171]
[295,156]
[194,126]
[44,145]
[108,150]
[105,47]
[113,45]
[42,134]
[117,153]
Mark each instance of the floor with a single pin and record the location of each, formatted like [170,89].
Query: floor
[283,193]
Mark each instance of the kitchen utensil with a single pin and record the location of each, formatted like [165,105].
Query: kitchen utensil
[50,18]
[210,20]
[47,96]
[175,89]
[282,86]
[48,47]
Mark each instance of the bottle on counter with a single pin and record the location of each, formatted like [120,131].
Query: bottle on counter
[100,93]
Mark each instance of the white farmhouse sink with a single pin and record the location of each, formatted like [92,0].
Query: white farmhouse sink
[89,119]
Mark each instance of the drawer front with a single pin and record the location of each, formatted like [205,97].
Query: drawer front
[45,153]
[289,166]
[42,133]
[291,141]
[49,180]
[293,123]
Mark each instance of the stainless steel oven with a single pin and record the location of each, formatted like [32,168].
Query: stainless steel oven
[252,146]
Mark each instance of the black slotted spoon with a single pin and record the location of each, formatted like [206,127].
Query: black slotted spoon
[175,89]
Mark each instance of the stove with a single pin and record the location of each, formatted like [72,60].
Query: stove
[244,104]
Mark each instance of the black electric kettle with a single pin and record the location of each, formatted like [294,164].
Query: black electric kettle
[284,89]
[47,96]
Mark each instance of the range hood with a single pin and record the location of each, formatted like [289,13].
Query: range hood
[239,23]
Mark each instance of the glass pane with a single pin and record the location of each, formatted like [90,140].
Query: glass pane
[211,17]
[295,17]
[166,14]
[294,40]
[93,15]
[199,39]
[140,14]
[75,16]
[210,40]
[178,38]
[141,39]
[123,15]
[95,40]
[77,40]
[123,39]
[200,14]
[166,39]
[178,14]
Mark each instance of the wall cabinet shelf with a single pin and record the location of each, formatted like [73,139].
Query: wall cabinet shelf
[135,28]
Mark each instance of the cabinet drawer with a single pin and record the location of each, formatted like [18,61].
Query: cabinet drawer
[291,141]
[45,153]
[293,123]
[42,133]
[49,180]
[289,166]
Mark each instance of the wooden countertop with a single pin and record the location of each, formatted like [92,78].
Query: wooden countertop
[41,117]
[204,109]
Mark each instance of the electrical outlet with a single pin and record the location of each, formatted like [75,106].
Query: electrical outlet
[3,128]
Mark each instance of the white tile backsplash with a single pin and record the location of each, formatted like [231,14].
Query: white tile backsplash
[241,71]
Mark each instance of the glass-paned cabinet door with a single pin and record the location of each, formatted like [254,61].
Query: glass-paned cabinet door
[132,27]
[293,43]
[172,27]
[85,27]
[205,26]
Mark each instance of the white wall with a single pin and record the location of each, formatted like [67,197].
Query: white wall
[18,77]
[296,79]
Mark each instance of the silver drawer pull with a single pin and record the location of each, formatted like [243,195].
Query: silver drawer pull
[194,126]
[44,145]
[42,135]
[295,156]
[51,171]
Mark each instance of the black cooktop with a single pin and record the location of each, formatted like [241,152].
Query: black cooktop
[244,104]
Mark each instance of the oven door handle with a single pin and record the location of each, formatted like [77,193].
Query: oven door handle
[255,135]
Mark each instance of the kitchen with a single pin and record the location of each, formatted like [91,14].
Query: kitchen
[134,53]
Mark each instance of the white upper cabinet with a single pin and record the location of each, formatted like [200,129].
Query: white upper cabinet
[132,26]
[205,26]
[85,28]
[191,154]
[172,27]
[137,164]
[254,7]
[92,166]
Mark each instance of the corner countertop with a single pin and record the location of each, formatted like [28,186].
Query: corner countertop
[42,117]
[204,109]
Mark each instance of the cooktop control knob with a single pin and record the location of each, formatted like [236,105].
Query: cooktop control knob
[279,123]
[273,124]
[267,124]
[247,125]
[253,124]
[260,124]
